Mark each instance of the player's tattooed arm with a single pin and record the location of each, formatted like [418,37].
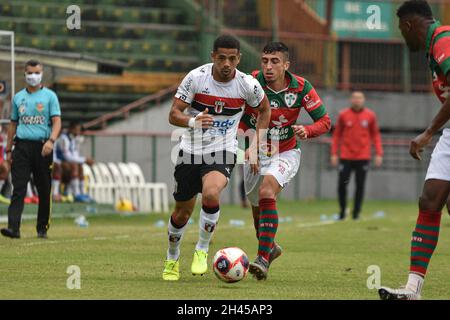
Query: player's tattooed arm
[178,118]
[417,144]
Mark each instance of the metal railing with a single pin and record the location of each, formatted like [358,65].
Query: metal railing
[124,112]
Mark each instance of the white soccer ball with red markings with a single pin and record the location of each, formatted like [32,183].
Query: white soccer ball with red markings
[230,264]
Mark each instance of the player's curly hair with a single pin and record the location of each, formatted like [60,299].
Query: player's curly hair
[418,7]
[226,41]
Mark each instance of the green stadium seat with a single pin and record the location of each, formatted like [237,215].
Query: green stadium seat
[143,48]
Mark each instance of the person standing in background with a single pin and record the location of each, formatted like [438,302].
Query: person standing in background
[35,126]
[355,131]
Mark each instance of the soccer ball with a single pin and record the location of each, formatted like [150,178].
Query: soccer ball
[230,264]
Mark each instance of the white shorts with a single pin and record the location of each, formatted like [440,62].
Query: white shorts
[439,167]
[283,167]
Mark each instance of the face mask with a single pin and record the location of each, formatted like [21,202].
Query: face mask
[33,79]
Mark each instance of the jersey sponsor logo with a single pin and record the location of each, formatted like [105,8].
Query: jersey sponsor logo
[274,104]
[188,85]
[218,106]
[311,102]
[441,90]
[253,119]
[220,127]
[40,107]
[33,119]
[206,91]
[183,97]
[277,133]
[290,98]
[281,120]
[256,90]
[440,58]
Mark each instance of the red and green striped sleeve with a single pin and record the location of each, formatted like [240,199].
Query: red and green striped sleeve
[312,103]
[441,51]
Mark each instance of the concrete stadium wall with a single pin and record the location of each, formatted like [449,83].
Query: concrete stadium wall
[316,179]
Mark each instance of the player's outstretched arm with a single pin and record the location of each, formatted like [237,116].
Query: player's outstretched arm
[320,127]
[178,118]
[312,103]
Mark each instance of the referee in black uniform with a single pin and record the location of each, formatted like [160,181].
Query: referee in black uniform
[35,125]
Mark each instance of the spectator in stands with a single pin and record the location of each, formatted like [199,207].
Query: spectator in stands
[355,131]
[69,165]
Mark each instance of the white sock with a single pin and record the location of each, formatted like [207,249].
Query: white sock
[175,235]
[207,225]
[56,184]
[75,187]
[29,191]
[415,283]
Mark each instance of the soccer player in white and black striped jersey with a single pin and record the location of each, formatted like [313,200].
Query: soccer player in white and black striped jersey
[214,96]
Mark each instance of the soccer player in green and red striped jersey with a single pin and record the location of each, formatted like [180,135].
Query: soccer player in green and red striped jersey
[288,95]
[422,32]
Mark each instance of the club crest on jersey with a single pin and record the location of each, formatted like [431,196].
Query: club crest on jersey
[364,123]
[22,109]
[290,98]
[218,106]
[40,107]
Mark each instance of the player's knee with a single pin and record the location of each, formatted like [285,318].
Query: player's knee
[266,192]
[181,215]
[427,203]
[210,196]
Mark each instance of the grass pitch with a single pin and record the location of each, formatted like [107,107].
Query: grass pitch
[121,257]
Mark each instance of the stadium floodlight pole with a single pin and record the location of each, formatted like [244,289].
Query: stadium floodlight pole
[13,79]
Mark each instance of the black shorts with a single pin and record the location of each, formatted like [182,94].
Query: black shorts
[190,169]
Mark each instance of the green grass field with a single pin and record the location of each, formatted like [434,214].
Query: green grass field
[121,257]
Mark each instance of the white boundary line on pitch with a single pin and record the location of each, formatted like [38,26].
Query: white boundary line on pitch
[41,242]
[160,234]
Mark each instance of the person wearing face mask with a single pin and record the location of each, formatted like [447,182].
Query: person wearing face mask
[35,126]
[355,131]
